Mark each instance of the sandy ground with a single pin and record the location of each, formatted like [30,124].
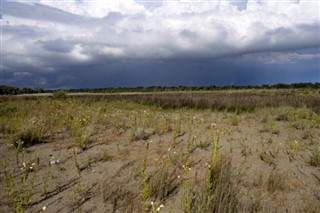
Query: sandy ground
[106,175]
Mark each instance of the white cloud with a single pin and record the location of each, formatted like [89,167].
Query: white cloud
[78,53]
[96,8]
[100,29]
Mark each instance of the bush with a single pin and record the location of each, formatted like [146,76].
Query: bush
[59,94]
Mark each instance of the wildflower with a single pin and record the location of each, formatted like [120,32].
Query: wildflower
[159,208]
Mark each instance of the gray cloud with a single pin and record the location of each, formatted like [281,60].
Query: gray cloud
[57,45]
[55,38]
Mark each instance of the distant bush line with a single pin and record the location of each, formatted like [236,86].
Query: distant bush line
[9,90]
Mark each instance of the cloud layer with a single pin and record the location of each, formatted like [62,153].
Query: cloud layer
[101,38]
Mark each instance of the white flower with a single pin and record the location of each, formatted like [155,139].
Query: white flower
[161,206]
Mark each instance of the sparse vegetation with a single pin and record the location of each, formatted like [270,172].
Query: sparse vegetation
[221,151]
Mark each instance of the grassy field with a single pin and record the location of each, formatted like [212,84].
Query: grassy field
[223,151]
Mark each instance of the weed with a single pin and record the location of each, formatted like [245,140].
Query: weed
[294,146]
[18,150]
[215,147]
[186,198]
[46,178]
[163,125]
[30,136]
[76,163]
[283,115]
[163,182]
[145,188]
[106,156]
[276,181]
[265,118]
[264,156]
[84,138]
[191,144]
[9,181]
[219,192]
[176,128]
[235,120]
[315,158]
[271,127]
[245,150]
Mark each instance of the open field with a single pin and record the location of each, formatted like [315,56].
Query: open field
[223,151]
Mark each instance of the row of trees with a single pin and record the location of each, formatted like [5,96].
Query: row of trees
[8,90]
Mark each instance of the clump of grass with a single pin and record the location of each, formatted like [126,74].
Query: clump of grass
[163,182]
[163,125]
[218,192]
[267,158]
[294,145]
[276,181]
[85,136]
[30,136]
[76,163]
[187,193]
[106,156]
[315,158]
[271,127]
[283,115]
[265,118]
[235,120]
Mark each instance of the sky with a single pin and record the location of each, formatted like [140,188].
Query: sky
[128,43]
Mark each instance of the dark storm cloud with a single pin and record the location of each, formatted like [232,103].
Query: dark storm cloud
[132,43]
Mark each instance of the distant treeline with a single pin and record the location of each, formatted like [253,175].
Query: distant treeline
[8,90]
